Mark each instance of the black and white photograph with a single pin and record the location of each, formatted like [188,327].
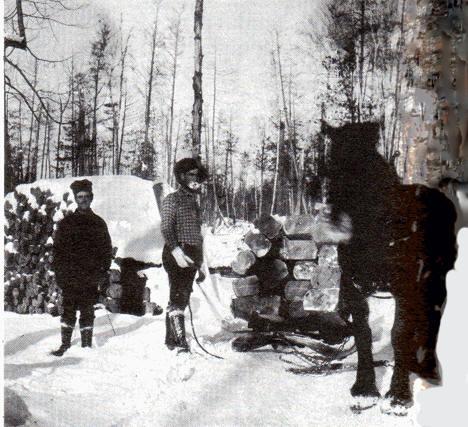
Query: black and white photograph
[235,213]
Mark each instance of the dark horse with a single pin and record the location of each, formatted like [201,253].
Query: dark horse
[403,242]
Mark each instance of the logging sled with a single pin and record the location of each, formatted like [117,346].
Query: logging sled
[288,282]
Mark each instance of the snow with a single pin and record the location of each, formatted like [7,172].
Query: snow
[131,379]
[126,203]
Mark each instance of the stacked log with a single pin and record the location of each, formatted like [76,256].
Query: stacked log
[127,291]
[290,269]
[29,284]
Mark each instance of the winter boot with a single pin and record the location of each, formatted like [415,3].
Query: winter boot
[178,330]
[66,332]
[170,340]
[86,337]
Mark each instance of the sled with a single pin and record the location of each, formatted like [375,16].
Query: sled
[325,333]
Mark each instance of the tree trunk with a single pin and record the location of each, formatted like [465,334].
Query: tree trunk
[31,126]
[275,181]
[174,75]
[36,149]
[197,110]
[122,133]
[20,118]
[148,148]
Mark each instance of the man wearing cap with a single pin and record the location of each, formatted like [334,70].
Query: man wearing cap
[82,256]
[183,249]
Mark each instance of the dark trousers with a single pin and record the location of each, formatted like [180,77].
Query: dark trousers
[73,303]
[181,279]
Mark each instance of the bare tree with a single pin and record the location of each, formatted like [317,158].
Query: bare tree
[197,111]
[175,31]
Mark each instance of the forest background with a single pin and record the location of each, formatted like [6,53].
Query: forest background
[99,88]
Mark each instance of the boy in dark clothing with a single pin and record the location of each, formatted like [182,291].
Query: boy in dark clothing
[82,256]
[183,251]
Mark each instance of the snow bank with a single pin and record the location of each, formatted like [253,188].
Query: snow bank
[126,203]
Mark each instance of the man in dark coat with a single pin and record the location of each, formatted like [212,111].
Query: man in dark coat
[183,249]
[82,256]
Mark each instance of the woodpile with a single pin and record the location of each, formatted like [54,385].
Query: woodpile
[127,291]
[29,283]
[290,269]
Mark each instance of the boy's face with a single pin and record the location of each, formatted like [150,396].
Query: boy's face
[83,199]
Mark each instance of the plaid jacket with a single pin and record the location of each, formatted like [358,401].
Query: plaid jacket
[181,219]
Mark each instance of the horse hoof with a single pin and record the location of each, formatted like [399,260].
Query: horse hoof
[361,403]
[364,390]
[395,406]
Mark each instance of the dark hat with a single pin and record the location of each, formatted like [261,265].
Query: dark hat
[188,164]
[81,185]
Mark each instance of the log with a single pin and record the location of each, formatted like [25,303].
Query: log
[321,299]
[326,277]
[243,262]
[112,305]
[243,307]
[299,226]
[304,270]
[258,243]
[147,294]
[114,291]
[114,275]
[296,310]
[295,290]
[298,249]
[328,255]
[270,271]
[268,226]
[153,308]
[245,286]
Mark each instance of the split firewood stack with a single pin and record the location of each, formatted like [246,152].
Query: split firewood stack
[290,269]
[29,282]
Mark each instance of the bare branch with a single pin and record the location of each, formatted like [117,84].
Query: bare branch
[25,99]
[33,89]
[50,61]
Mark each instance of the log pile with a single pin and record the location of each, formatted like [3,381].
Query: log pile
[29,283]
[127,291]
[291,268]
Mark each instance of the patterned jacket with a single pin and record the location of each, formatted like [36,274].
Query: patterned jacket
[181,219]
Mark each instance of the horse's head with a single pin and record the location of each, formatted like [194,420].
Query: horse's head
[352,166]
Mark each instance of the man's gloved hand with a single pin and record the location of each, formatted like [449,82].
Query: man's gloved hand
[182,260]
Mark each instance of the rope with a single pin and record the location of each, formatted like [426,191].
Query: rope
[196,338]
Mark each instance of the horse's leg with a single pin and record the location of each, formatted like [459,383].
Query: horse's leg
[403,349]
[358,307]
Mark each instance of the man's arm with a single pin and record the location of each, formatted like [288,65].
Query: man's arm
[168,230]
[107,247]
[60,251]
[168,221]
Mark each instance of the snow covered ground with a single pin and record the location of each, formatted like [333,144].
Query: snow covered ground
[129,378]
